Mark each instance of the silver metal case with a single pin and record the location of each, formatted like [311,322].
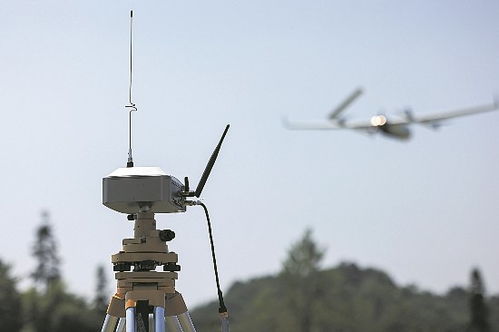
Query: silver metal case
[140,189]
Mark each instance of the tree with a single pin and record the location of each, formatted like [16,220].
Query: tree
[301,282]
[10,301]
[101,292]
[56,310]
[51,308]
[45,252]
[304,257]
[479,314]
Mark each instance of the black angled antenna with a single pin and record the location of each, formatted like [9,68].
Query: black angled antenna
[210,164]
[131,106]
[207,170]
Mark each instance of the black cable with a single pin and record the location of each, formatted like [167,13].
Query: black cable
[222,308]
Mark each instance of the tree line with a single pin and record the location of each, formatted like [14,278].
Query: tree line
[48,305]
[302,297]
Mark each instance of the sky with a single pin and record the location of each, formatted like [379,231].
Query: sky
[424,211]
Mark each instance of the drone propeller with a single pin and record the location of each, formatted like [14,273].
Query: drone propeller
[207,170]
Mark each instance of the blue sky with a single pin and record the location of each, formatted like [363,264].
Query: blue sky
[425,211]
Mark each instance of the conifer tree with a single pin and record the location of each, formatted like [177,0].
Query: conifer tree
[10,301]
[101,298]
[44,251]
[300,281]
[304,257]
[479,314]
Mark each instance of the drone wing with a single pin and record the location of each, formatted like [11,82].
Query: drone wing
[309,125]
[437,117]
[321,125]
[335,113]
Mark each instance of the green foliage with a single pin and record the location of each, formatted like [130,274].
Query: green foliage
[45,252]
[479,320]
[56,310]
[494,313]
[303,258]
[51,308]
[347,298]
[101,299]
[10,301]
[302,297]
[300,281]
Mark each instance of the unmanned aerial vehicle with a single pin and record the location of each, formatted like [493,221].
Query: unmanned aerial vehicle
[394,127]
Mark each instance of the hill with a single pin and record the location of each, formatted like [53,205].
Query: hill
[345,298]
[305,298]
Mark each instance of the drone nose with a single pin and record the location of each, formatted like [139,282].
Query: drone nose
[378,120]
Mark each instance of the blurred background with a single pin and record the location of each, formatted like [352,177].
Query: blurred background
[423,213]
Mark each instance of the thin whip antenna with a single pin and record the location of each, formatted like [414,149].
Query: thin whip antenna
[131,106]
[131,60]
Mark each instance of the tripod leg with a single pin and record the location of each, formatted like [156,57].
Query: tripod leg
[130,320]
[159,319]
[152,327]
[172,324]
[110,323]
[186,322]
[121,325]
[224,321]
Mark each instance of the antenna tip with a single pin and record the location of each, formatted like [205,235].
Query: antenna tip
[131,13]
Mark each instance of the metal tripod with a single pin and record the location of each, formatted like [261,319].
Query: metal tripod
[146,299]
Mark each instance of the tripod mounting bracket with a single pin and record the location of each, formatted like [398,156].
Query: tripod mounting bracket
[154,288]
[137,257]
